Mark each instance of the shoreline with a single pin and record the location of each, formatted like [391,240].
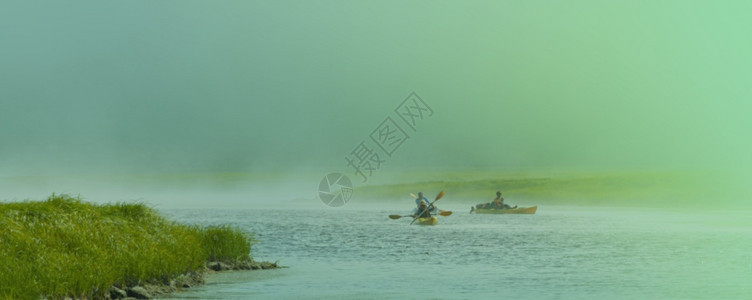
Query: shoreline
[184,281]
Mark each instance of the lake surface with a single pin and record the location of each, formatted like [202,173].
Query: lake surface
[558,253]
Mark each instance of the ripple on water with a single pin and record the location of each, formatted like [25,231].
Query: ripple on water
[595,254]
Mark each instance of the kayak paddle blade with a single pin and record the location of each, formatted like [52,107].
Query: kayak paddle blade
[445,213]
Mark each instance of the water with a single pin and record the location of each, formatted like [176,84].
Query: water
[559,253]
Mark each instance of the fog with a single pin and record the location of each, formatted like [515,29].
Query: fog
[103,89]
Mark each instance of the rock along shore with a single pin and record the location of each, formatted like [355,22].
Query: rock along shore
[150,291]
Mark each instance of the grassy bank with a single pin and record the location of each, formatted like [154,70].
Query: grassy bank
[65,247]
[611,189]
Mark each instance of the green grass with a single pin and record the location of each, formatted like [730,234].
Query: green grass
[65,247]
[225,243]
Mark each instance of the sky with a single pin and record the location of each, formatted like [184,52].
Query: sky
[94,87]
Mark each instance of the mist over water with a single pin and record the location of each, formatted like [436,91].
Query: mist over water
[191,86]
[101,91]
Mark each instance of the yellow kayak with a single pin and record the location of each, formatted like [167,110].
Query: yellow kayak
[519,210]
[427,221]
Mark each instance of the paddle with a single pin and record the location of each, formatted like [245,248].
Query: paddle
[444,213]
[395,217]
[441,194]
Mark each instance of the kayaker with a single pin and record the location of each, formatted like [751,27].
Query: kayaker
[423,211]
[421,199]
[498,202]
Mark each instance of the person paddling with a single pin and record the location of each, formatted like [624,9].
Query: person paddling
[498,202]
[422,199]
[423,211]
